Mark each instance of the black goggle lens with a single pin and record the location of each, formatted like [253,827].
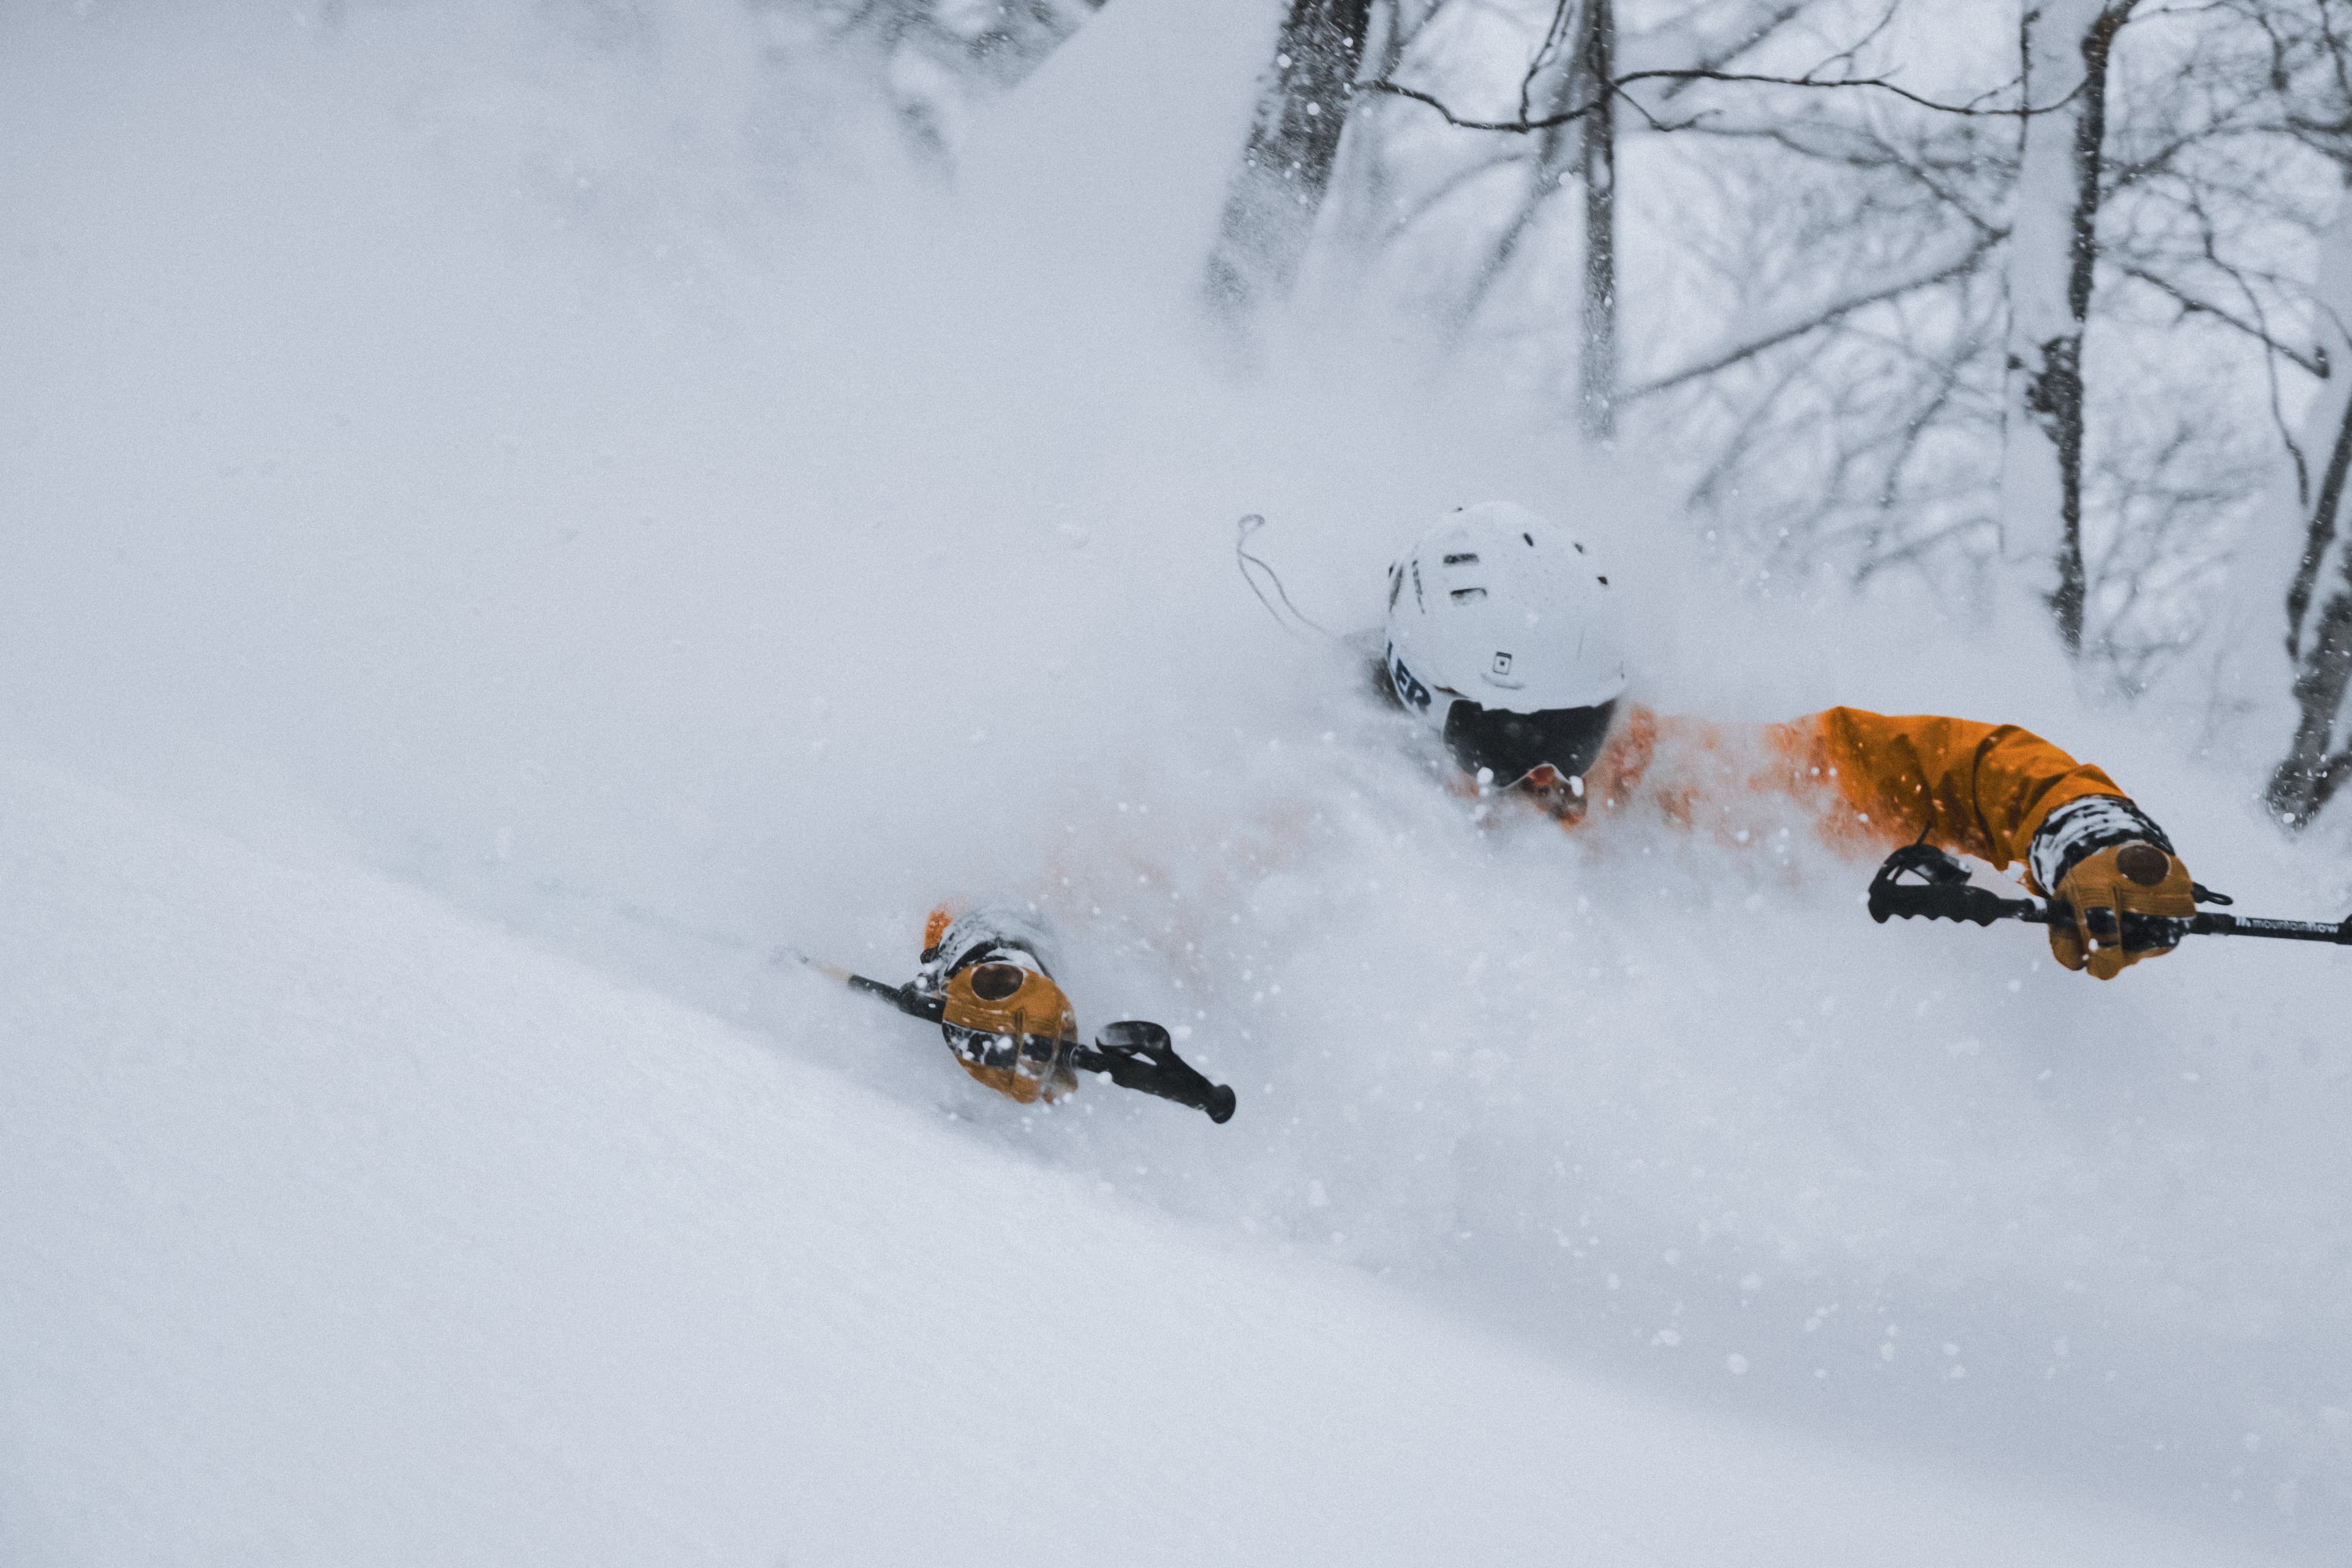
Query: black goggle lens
[1509,746]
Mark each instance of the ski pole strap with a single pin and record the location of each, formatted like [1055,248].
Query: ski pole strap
[1134,1054]
[1942,891]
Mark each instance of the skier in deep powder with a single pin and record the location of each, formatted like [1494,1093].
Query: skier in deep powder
[1503,638]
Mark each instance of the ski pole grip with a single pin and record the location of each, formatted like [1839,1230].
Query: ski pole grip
[1214,1100]
[1136,1053]
[1976,906]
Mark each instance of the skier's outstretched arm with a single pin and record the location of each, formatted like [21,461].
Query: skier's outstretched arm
[2004,795]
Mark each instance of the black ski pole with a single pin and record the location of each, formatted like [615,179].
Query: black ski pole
[915,1004]
[1132,1053]
[1943,892]
[1138,1055]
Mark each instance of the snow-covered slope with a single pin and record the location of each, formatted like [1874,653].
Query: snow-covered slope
[341,1227]
[479,441]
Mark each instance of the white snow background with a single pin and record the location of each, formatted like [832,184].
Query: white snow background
[547,457]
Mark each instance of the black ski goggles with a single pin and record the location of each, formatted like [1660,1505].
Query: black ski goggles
[1509,746]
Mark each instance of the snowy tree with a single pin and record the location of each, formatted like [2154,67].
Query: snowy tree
[1571,73]
[1278,190]
[2319,598]
[2054,250]
[1899,303]
[2318,601]
[2022,310]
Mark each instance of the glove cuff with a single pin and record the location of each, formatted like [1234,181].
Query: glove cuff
[996,932]
[2084,827]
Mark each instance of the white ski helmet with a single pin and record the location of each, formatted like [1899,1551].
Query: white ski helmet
[1503,633]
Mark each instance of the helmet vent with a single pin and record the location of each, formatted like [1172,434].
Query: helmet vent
[1465,560]
[1468,596]
[1531,542]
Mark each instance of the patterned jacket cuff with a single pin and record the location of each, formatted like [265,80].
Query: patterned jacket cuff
[2086,826]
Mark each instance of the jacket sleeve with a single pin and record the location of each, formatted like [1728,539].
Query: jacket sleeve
[1982,790]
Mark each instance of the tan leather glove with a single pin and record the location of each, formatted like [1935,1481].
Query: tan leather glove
[1002,1014]
[1011,1028]
[2103,889]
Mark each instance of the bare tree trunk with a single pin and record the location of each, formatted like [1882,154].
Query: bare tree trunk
[2319,597]
[2314,764]
[1271,205]
[1597,366]
[1587,145]
[2054,250]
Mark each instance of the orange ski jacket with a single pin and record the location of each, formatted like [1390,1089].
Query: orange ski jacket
[1869,781]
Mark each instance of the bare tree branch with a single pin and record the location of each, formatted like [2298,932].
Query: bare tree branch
[1678,45]
[1555,35]
[1523,125]
[2312,361]
[1812,319]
